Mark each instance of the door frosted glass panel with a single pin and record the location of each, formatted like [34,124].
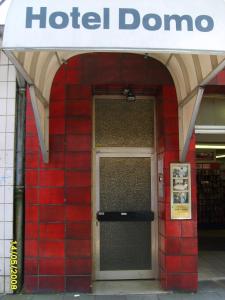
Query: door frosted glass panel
[125,185]
[122,124]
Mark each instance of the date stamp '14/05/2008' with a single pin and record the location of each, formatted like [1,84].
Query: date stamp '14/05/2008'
[13,265]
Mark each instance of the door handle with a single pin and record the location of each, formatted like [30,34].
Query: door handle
[115,216]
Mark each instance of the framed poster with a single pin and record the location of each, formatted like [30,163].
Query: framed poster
[180,185]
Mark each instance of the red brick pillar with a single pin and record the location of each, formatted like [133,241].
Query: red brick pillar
[58,194]
[178,252]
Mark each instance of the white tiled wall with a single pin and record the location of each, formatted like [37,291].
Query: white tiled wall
[7,137]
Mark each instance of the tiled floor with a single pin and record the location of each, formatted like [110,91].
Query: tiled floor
[211,265]
[212,254]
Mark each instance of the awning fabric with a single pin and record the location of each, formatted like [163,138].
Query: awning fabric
[190,69]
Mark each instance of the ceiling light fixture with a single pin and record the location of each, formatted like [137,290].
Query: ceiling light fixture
[220,156]
[130,95]
[208,146]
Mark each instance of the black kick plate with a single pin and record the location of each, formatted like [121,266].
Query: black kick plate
[113,216]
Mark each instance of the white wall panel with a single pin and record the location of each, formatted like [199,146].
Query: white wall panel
[7,137]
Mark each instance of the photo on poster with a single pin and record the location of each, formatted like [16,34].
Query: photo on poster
[180,184]
[180,197]
[180,171]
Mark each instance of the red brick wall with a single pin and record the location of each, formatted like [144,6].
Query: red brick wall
[58,194]
[178,252]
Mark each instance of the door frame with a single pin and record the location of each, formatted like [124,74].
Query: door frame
[97,152]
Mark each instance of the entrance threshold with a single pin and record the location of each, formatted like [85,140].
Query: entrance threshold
[126,287]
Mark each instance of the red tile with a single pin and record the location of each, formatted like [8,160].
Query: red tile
[78,92]
[79,284]
[167,197]
[173,282]
[51,249]
[189,264]
[189,246]
[192,143]
[31,230]
[169,92]
[173,246]
[32,160]
[57,142]
[57,108]
[31,177]
[30,124]
[30,284]
[173,264]
[73,76]
[31,213]
[172,142]
[170,156]
[79,108]
[31,195]
[31,248]
[78,160]
[59,78]
[167,206]
[79,126]
[51,284]
[79,231]
[78,248]
[189,228]
[32,143]
[57,92]
[169,108]
[51,195]
[29,111]
[54,178]
[78,195]
[52,231]
[173,229]
[51,213]
[183,282]
[48,266]
[31,266]
[78,266]
[57,125]
[76,213]
[78,179]
[75,62]
[56,161]
[78,143]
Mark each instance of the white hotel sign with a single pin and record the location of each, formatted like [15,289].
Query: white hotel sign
[145,25]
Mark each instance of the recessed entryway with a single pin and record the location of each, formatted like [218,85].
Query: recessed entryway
[125,235]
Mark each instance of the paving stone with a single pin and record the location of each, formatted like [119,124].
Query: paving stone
[208,285]
[47,297]
[141,297]
[74,296]
[110,297]
[16,297]
[185,296]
